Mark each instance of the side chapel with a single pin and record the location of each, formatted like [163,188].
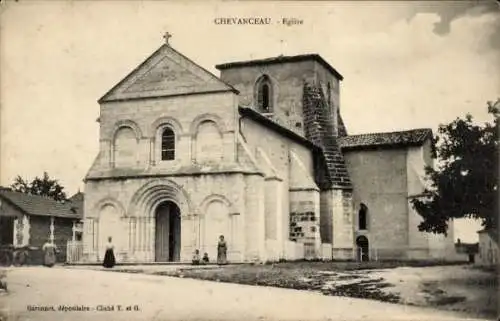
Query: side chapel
[260,155]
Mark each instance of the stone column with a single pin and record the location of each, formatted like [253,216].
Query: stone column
[317,236]
[195,218]
[261,224]
[343,238]
[235,245]
[150,239]
[109,148]
[281,236]
[152,152]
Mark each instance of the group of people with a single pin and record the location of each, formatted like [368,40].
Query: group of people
[196,258]
[50,250]
[221,254]
[110,261]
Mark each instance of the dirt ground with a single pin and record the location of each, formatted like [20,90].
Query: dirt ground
[459,288]
[82,295]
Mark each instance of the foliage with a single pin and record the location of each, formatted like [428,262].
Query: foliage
[44,186]
[465,182]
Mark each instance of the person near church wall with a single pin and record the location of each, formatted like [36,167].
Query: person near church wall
[196,257]
[205,258]
[109,257]
[49,249]
[221,251]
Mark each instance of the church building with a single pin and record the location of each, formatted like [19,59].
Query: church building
[259,155]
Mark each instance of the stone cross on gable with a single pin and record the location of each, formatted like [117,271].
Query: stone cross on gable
[167,36]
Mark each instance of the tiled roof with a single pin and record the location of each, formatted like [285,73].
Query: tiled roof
[281,59]
[414,137]
[39,205]
[76,202]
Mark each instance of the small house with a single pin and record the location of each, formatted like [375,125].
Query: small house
[467,251]
[32,220]
[488,247]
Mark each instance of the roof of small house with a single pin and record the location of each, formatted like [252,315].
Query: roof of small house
[413,137]
[77,202]
[491,232]
[281,59]
[40,205]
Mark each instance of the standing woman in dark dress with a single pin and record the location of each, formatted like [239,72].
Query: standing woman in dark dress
[109,257]
[221,251]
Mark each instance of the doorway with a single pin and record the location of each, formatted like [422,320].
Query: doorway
[363,248]
[6,230]
[167,232]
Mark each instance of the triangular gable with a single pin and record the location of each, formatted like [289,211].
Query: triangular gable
[166,73]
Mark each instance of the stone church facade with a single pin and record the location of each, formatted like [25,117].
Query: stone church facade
[260,155]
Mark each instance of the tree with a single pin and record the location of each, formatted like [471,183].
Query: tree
[465,182]
[44,186]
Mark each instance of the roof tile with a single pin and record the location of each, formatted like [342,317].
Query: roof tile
[41,206]
[400,138]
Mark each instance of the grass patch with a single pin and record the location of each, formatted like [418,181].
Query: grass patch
[293,276]
[445,300]
[353,265]
[365,290]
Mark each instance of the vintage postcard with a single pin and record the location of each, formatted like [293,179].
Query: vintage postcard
[249,160]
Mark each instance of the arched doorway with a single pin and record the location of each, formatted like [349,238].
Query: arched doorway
[363,248]
[167,232]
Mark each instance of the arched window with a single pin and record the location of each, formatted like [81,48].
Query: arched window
[362,217]
[168,144]
[264,94]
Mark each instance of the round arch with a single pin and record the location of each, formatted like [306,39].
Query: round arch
[216,197]
[163,122]
[127,123]
[109,201]
[272,86]
[150,195]
[219,123]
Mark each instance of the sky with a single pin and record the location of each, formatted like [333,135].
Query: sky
[406,65]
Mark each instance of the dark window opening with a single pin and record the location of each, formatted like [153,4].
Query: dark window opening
[6,230]
[168,144]
[362,217]
[264,95]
